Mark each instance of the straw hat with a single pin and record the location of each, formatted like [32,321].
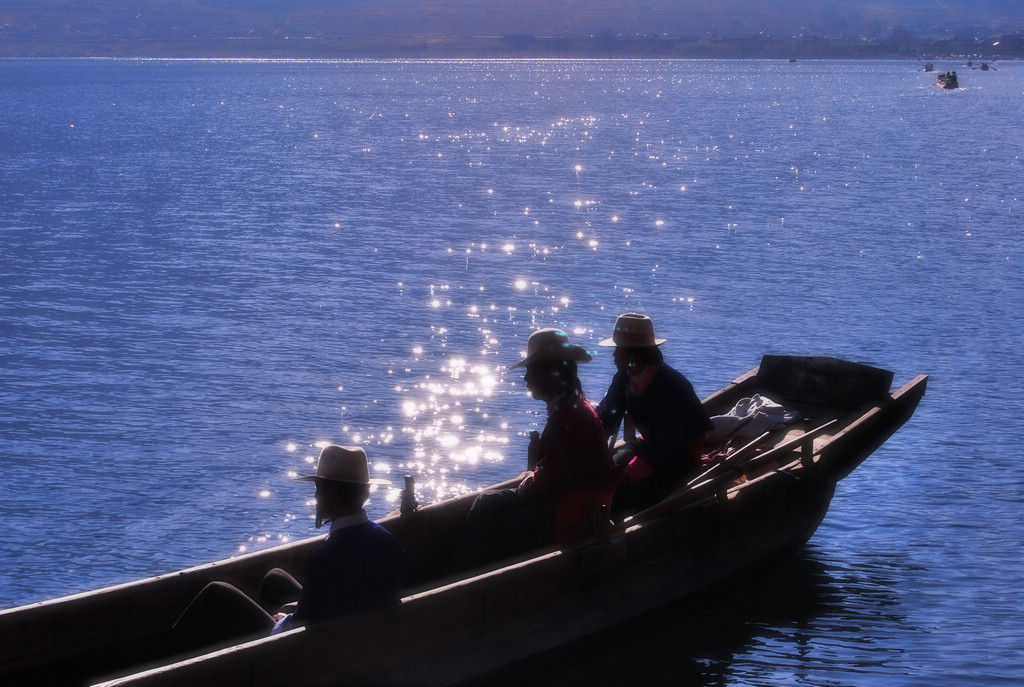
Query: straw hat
[633,330]
[342,464]
[551,344]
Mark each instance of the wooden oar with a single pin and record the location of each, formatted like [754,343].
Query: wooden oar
[730,459]
[697,490]
[804,442]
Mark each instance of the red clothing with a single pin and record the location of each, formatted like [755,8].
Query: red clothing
[575,475]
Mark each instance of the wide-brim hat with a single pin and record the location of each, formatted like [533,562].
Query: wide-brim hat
[551,344]
[633,330]
[342,464]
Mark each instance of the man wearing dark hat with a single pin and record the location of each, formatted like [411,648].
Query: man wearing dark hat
[662,406]
[357,568]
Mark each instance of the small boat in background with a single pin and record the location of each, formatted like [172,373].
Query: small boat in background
[929,67]
[947,80]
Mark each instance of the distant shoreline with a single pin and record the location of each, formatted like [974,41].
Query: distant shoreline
[498,47]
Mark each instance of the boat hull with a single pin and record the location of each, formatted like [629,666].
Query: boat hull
[478,626]
[451,625]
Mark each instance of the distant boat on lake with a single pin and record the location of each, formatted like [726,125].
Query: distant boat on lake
[947,80]
[929,67]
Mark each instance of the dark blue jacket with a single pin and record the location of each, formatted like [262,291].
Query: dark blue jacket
[668,415]
[358,568]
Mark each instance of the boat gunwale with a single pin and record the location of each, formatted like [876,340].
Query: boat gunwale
[97,599]
[569,559]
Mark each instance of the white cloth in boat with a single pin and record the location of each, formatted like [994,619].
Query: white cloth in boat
[749,418]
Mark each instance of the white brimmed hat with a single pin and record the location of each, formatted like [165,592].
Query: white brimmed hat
[342,464]
[633,330]
[551,344]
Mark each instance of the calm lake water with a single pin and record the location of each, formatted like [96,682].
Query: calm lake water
[206,268]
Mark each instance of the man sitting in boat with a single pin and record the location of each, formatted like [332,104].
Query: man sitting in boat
[358,567]
[659,402]
[572,478]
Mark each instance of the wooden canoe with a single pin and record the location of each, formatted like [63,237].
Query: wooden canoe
[754,509]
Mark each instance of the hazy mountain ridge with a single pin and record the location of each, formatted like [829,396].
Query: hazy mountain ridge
[136,27]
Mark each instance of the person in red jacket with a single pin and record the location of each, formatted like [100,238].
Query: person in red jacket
[572,476]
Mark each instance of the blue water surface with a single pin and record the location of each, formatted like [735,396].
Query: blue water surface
[208,268]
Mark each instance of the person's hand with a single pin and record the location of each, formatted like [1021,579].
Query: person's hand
[285,610]
[525,487]
[637,469]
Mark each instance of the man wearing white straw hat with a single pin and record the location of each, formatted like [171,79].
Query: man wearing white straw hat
[659,402]
[572,477]
[358,567]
